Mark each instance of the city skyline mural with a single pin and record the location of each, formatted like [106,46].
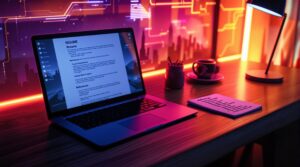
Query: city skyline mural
[180,29]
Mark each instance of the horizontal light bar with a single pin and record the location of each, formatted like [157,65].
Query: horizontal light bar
[22,100]
[229,58]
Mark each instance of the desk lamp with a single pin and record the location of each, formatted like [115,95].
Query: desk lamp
[275,8]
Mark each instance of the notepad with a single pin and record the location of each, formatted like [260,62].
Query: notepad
[224,105]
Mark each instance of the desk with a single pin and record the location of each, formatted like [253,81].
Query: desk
[26,137]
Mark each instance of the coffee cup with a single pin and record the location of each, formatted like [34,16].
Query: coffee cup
[205,68]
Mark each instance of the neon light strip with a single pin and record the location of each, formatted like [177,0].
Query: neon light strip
[168,3]
[229,58]
[66,13]
[153,73]
[178,7]
[21,100]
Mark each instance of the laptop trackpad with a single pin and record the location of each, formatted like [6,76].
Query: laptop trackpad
[143,122]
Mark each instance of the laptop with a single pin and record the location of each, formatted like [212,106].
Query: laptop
[93,87]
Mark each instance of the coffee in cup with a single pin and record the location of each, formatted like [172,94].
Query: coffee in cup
[205,68]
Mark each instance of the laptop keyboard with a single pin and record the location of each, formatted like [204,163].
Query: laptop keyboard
[96,118]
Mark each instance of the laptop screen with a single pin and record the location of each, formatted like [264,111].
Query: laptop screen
[81,69]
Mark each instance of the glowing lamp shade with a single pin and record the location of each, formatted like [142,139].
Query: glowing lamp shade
[276,8]
[273,7]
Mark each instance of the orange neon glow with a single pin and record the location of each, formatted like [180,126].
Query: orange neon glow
[229,58]
[178,7]
[186,66]
[22,100]
[168,3]
[153,73]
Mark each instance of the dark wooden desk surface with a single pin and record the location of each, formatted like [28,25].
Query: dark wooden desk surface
[26,137]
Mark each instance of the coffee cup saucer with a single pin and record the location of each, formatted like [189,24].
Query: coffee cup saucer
[214,78]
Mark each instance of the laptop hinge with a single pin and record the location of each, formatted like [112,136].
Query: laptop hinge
[104,107]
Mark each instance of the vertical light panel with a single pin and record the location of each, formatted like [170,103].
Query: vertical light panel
[247,32]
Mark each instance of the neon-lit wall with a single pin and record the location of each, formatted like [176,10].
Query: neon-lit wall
[181,29]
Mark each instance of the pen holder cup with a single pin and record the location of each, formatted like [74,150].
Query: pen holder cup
[174,76]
